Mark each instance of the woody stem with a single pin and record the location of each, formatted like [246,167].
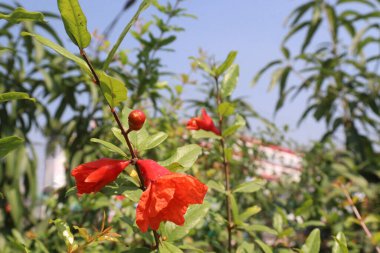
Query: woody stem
[226,167]
[116,117]
[357,214]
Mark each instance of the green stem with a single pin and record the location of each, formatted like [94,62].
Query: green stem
[226,167]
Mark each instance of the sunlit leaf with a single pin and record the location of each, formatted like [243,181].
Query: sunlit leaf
[7,144]
[112,88]
[183,158]
[20,14]
[313,242]
[15,95]
[227,63]
[75,22]
[251,186]
[230,80]
[110,146]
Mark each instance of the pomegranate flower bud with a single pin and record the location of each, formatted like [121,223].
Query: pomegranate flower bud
[136,120]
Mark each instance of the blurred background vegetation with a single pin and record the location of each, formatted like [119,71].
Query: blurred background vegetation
[340,75]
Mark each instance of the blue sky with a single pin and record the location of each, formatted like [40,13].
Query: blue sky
[254,28]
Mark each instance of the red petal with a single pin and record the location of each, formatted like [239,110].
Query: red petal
[151,170]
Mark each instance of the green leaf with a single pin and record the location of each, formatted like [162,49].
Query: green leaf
[226,109]
[260,228]
[340,244]
[110,57]
[313,27]
[239,123]
[263,246]
[201,134]
[217,186]
[246,247]
[75,22]
[183,158]
[333,22]
[189,247]
[7,144]
[154,140]
[194,215]
[226,64]
[230,80]
[304,208]
[234,209]
[313,242]
[167,247]
[20,14]
[110,146]
[64,231]
[113,89]
[15,95]
[251,186]
[250,212]
[202,65]
[60,50]
[263,70]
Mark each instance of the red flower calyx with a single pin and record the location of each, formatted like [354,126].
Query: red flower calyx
[136,119]
[167,196]
[93,176]
[203,122]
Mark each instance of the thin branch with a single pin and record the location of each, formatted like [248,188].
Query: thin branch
[117,119]
[357,214]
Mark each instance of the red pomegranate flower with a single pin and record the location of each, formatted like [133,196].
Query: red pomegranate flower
[203,122]
[167,196]
[93,176]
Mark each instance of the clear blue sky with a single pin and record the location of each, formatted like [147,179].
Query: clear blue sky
[254,28]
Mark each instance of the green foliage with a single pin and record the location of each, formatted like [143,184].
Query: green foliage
[75,22]
[7,144]
[20,14]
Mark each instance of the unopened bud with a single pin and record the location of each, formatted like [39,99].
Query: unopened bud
[136,120]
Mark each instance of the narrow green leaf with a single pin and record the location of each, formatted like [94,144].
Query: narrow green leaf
[7,144]
[183,158]
[227,63]
[340,244]
[226,109]
[192,248]
[230,80]
[110,146]
[239,123]
[167,247]
[143,6]
[201,134]
[246,247]
[194,215]
[333,22]
[202,65]
[15,95]
[313,27]
[263,70]
[234,209]
[260,228]
[313,242]
[75,22]
[20,14]
[251,186]
[263,246]
[113,89]
[60,50]
[250,212]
